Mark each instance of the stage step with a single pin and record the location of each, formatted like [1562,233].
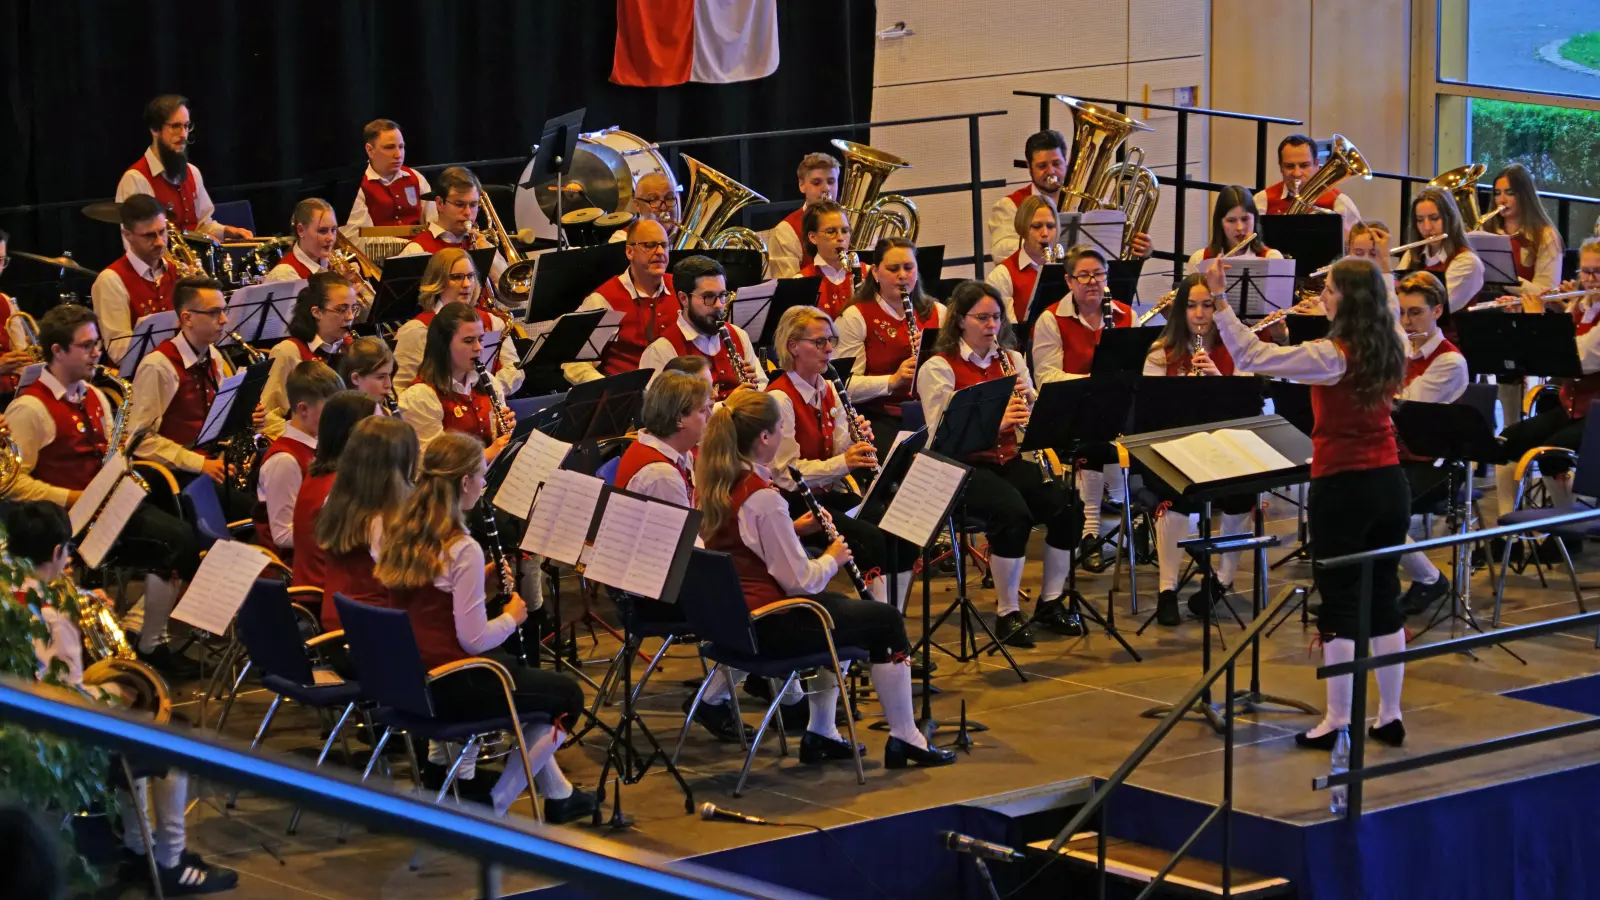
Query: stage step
[1138,864]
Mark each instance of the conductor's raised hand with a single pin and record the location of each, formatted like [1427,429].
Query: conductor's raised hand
[1216,277]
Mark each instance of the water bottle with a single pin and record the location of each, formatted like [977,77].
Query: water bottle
[1339,765]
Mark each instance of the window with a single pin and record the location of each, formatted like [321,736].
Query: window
[1547,46]
[1559,146]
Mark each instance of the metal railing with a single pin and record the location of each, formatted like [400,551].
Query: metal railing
[1563,201]
[607,867]
[1359,773]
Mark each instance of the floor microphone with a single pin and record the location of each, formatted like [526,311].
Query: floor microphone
[962,843]
[714,813]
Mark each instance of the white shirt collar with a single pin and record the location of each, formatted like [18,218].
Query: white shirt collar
[190,357]
[148,273]
[1072,306]
[971,355]
[707,342]
[810,393]
[295,434]
[72,395]
[464,387]
[895,310]
[317,343]
[448,237]
[1428,346]
[1433,254]
[835,276]
[1024,261]
[307,261]
[153,160]
[681,460]
[372,174]
[627,282]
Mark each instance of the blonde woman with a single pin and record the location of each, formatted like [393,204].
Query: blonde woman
[1017,276]
[451,278]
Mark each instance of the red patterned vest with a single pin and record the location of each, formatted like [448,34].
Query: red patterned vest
[197,387]
[813,427]
[397,203]
[177,199]
[760,588]
[8,308]
[637,456]
[831,298]
[968,374]
[1577,394]
[72,459]
[1278,204]
[888,344]
[310,560]
[644,319]
[144,298]
[302,454]
[1179,364]
[723,376]
[471,413]
[1520,249]
[1347,436]
[1023,281]
[1079,340]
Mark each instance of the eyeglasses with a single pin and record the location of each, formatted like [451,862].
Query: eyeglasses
[656,202]
[342,309]
[985,318]
[822,343]
[1592,273]
[462,277]
[213,313]
[88,346]
[1088,277]
[649,246]
[463,205]
[186,127]
[710,297]
[838,231]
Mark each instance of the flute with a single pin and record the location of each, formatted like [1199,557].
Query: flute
[1567,298]
[1274,317]
[1492,213]
[1400,249]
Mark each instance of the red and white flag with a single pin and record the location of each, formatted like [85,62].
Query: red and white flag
[667,42]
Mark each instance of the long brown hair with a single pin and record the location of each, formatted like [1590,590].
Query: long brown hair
[386,450]
[340,415]
[1177,340]
[966,295]
[1449,216]
[1228,198]
[725,453]
[1532,219]
[1365,328]
[868,292]
[430,520]
[434,370]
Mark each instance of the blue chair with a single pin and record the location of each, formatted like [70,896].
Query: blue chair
[608,471]
[713,603]
[384,650]
[236,213]
[267,629]
[203,508]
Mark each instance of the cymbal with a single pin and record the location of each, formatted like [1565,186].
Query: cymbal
[582,216]
[614,219]
[55,262]
[104,211]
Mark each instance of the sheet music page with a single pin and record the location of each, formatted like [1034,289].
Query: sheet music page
[95,494]
[1204,458]
[855,511]
[29,375]
[754,302]
[1103,228]
[1249,444]
[917,509]
[601,336]
[490,346]
[147,333]
[217,415]
[558,524]
[226,575]
[539,456]
[613,543]
[103,533]
[655,545]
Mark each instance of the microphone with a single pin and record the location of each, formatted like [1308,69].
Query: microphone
[714,813]
[963,843]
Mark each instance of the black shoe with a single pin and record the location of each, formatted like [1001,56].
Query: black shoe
[796,716]
[1012,630]
[922,664]
[1204,599]
[476,789]
[1393,734]
[1111,507]
[759,688]
[175,666]
[814,749]
[1419,596]
[577,807]
[718,719]
[1090,554]
[898,754]
[1324,742]
[193,875]
[1054,615]
[1167,609]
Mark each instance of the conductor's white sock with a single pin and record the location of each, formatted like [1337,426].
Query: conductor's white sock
[1337,650]
[1057,565]
[543,740]
[1091,487]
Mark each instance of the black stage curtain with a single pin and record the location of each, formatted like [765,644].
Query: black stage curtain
[279,92]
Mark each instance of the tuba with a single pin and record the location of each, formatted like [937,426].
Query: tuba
[1462,183]
[872,215]
[1344,161]
[708,207]
[1093,174]
[1136,191]
[111,658]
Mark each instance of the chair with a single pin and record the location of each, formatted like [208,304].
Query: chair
[236,213]
[608,471]
[714,605]
[384,650]
[202,507]
[266,627]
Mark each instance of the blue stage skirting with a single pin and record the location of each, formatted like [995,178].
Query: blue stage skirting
[1577,694]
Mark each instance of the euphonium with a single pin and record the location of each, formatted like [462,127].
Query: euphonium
[873,215]
[1137,192]
[111,657]
[1462,183]
[30,334]
[709,205]
[1091,182]
[354,266]
[181,258]
[1344,161]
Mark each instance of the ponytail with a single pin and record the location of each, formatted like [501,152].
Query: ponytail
[725,452]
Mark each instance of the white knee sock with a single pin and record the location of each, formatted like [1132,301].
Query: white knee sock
[1337,650]
[160,596]
[167,799]
[1171,527]
[1091,485]
[1057,564]
[792,693]
[1228,565]
[723,683]
[1007,581]
[878,589]
[892,681]
[1505,488]
[824,702]
[902,585]
[543,741]
[1390,678]
[1418,567]
[1112,473]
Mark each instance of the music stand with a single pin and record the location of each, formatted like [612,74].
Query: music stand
[238,405]
[147,335]
[930,262]
[1049,289]
[1499,261]
[552,159]
[1122,351]
[603,408]
[564,341]
[397,297]
[1122,278]
[744,267]
[1303,328]
[562,278]
[261,311]
[1101,229]
[1312,240]
[759,307]
[1510,344]
[1261,286]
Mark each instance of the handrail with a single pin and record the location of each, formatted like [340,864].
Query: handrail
[1217,113]
[1421,179]
[560,853]
[1451,540]
[797,132]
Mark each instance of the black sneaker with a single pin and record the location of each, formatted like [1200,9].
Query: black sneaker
[1090,554]
[1167,609]
[1012,630]
[193,875]
[1054,615]
[718,719]
[175,666]
[579,805]
[1419,596]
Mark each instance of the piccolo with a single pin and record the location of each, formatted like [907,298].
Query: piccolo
[1400,249]
[1276,316]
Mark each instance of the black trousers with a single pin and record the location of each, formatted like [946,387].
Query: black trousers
[477,694]
[1429,484]
[877,628]
[1551,427]
[1348,513]
[872,547]
[158,541]
[1014,497]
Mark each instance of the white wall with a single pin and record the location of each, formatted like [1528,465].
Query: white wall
[967,55]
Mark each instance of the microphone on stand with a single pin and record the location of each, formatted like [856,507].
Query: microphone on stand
[963,843]
[714,813]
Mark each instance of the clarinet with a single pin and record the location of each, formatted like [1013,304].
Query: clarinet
[491,529]
[826,521]
[391,403]
[856,434]
[504,419]
[913,328]
[1037,456]
[1199,347]
[731,344]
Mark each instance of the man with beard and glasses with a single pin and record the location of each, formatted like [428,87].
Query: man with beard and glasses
[164,172]
[702,288]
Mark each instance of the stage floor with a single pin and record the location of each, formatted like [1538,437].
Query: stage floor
[1076,717]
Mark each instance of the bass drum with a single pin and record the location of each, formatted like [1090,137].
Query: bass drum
[605,166]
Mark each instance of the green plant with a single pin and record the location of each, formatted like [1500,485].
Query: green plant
[1583,49]
[1559,146]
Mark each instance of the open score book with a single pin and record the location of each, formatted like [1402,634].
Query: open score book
[1218,455]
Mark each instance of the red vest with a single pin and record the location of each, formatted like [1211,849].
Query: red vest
[8,308]
[433,623]
[1576,394]
[637,456]
[471,413]
[813,428]
[1179,364]
[350,574]
[310,560]
[293,262]
[186,413]
[760,588]
[1078,340]
[887,345]
[1022,284]
[723,376]
[796,221]
[1020,194]
[1278,204]
[426,318]
[1520,249]
[1414,370]
[1347,436]
[144,298]
[644,319]
[392,203]
[831,298]
[968,374]
[178,200]
[322,354]
[72,459]
[432,243]
[1439,268]
[302,454]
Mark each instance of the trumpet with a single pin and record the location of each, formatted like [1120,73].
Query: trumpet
[1303,307]
[1045,472]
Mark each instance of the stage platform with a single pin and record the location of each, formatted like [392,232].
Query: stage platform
[1077,716]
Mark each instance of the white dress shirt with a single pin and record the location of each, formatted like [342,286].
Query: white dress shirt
[154,385]
[112,307]
[658,354]
[852,328]
[1463,278]
[462,579]
[421,409]
[1047,353]
[819,473]
[1342,204]
[1313,362]
[496,265]
[767,529]
[411,340]
[1445,379]
[278,485]
[33,428]
[936,381]
[285,272]
[999,278]
[133,182]
[360,217]
[659,480]
[784,251]
[580,372]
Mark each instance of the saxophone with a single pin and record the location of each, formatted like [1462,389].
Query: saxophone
[243,453]
[117,440]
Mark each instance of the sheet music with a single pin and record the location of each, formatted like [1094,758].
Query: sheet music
[755,302]
[217,415]
[219,588]
[490,346]
[601,336]
[96,492]
[1100,228]
[113,518]
[917,509]
[558,524]
[634,547]
[1214,456]
[1499,263]
[536,459]
[1271,282]
[148,332]
[899,438]
[1250,444]
[29,375]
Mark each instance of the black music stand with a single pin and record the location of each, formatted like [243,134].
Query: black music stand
[787,293]
[1500,344]
[1312,240]
[1122,278]
[603,408]
[744,267]
[552,159]
[1122,351]
[237,420]
[1049,289]
[562,278]
[564,342]
[397,298]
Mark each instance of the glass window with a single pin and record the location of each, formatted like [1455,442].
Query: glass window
[1559,146]
[1550,46]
